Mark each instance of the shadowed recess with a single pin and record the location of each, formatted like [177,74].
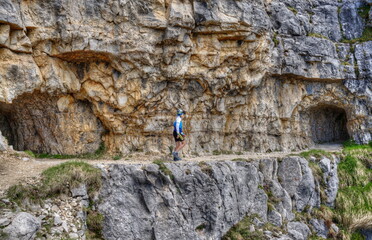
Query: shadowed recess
[328,124]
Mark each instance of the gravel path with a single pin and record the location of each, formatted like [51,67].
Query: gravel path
[17,167]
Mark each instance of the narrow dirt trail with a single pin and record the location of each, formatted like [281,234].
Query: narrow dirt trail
[18,167]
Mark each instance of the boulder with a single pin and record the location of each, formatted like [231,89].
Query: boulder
[23,227]
[298,230]
[320,227]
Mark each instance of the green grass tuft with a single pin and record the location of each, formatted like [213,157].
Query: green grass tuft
[164,168]
[294,10]
[117,157]
[366,36]
[317,35]
[315,153]
[206,168]
[364,11]
[241,231]
[94,224]
[30,153]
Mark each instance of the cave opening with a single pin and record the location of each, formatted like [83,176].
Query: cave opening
[51,124]
[328,124]
[5,126]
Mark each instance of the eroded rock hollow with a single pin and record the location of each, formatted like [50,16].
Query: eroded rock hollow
[250,73]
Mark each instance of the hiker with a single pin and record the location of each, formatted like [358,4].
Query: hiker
[178,135]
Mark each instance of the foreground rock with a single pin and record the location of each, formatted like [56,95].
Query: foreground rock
[23,227]
[204,200]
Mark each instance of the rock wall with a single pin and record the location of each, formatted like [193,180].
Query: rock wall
[204,200]
[248,72]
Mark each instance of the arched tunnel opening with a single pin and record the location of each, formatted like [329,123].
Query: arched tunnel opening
[51,124]
[328,124]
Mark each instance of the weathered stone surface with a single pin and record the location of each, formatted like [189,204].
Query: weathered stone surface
[320,227]
[69,125]
[325,22]
[330,177]
[298,230]
[363,56]
[23,227]
[80,191]
[247,72]
[352,24]
[141,202]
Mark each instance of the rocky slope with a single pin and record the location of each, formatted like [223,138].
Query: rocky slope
[254,75]
[203,201]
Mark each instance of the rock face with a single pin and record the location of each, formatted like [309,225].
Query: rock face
[204,200]
[23,227]
[249,73]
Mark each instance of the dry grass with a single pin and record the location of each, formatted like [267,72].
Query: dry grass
[58,180]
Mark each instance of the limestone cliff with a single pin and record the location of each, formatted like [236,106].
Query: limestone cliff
[254,75]
[204,200]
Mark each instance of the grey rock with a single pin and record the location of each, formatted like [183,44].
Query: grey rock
[347,60]
[352,24]
[73,235]
[367,233]
[307,194]
[4,222]
[309,57]
[80,191]
[285,21]
[325,22]
[325,164]
[320,227]
[65,226]
[150,203]
[23,227]
[57,220]
[298,230]
[363,56]
[275,218]
[334,228]
[9,13]
[331,180]
[168,213]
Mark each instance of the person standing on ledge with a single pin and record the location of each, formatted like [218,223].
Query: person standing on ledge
[178,135]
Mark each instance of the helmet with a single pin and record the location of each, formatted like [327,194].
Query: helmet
[180,112]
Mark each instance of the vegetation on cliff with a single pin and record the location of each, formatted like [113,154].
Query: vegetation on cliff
[61,180]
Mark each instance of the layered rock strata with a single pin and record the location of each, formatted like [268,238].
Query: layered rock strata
[204,200]
[249,73]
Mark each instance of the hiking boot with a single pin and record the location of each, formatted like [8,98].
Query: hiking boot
[176,157]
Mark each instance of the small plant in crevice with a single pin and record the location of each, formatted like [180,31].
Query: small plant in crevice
[201,227]
[94,224]
[163,168]
[317,35]
[206,168]
[241,230]
[117,157]
[292,9]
